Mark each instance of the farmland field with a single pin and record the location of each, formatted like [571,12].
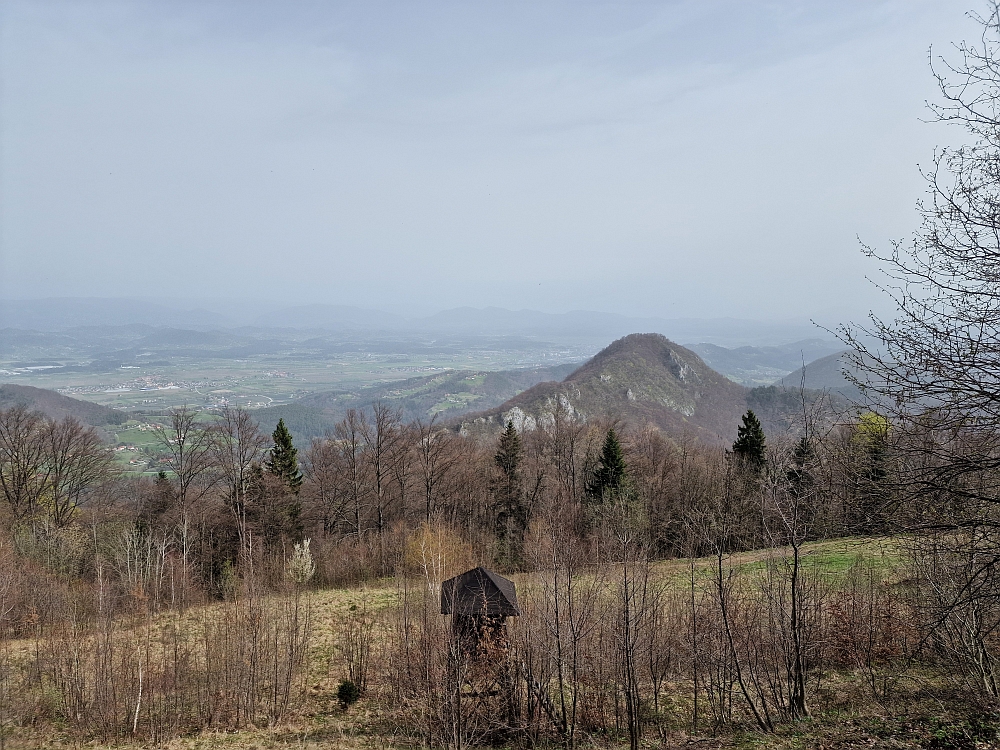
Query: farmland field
[154,372]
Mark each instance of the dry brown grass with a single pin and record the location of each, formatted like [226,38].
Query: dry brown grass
[316,720]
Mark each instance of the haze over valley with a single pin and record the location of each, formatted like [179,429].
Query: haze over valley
[144,358]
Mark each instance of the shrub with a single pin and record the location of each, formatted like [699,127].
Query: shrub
[347,693]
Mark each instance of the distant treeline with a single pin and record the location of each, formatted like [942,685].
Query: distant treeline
[358,492]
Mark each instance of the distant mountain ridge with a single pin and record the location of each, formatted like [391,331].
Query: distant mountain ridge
[642,378]
[331,317]
[575,324]
[59,314]
[763,365]
[825,373]
[638,379]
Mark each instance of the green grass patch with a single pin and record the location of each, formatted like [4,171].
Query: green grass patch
[832,558]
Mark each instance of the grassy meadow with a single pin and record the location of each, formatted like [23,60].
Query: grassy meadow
[843,713]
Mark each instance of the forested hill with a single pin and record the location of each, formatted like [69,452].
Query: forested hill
[643,378]
[56,406]
[826,373]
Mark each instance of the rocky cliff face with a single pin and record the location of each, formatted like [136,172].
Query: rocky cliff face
[642,379]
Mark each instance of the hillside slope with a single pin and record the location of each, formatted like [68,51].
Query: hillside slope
[57,406]
[825,373]
[643,378]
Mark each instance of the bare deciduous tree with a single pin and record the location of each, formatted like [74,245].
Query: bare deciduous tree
[349,434]
[435,457]
[325,500]
[380,437]
[237,446]
[22,460]
[934,371]
[76,459]
[188,444]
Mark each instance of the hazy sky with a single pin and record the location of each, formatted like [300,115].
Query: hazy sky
[674,158]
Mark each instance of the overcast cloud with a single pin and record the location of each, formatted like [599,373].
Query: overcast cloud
[677,159]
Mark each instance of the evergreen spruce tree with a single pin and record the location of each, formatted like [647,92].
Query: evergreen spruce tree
[510,512]
[508,455]
[610,477]
[750,445]
[283,460]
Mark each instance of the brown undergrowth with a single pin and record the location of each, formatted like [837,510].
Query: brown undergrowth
[262,670]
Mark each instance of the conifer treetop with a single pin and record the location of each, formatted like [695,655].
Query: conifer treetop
[282,461]
[508,455]
[611,473]
[750,443]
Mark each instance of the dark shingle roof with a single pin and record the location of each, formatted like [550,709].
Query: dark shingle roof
[479,592]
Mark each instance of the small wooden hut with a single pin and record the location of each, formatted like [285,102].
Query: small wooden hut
[479,602]
[479,592]
[481,671]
